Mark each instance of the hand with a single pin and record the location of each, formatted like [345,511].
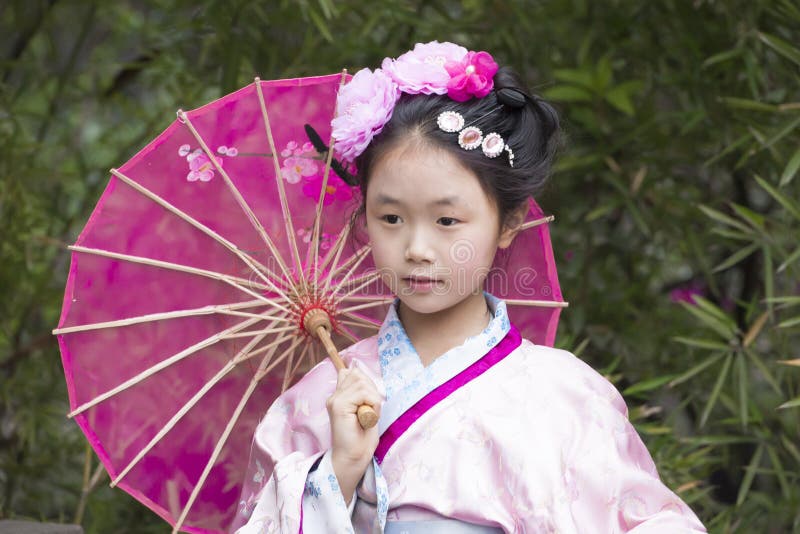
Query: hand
[352,446]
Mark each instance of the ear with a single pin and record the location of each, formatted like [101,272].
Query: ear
[515,219]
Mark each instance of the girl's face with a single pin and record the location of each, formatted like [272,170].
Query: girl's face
[433,230]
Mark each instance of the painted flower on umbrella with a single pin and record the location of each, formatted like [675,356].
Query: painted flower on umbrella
[421,70]
[335,189]
[295,168]
[471,76]
[200,166]
[365,105]
[325,238]
[298,163]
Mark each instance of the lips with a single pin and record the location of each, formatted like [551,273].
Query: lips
[419,279]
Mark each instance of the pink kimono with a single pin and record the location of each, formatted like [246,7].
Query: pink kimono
[496,435]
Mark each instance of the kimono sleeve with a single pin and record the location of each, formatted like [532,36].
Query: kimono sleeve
[290,439]
[608,474]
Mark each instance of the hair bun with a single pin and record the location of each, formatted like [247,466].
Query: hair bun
[513,98]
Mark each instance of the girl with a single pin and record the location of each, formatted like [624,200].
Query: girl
[479,430]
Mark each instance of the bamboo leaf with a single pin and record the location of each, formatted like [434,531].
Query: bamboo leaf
[781,47]
[791,169]
[791,447]
[696,369]
[788,261]
[780,473]
[721,57]
[780,197]
[795,362]
[717,312]
[647,385]
[710,321]
[749,474]
[736,257]
[794,403]
[321,25]
[701,343]
[712,399]
[765,372]
[756,220]
[710,439]
[794,321]
[750,105]
[788,128]
[728,149]
[724,219]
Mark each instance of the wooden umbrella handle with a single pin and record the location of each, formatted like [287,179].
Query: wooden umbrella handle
[318,324]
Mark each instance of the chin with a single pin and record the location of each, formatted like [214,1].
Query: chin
[428,303]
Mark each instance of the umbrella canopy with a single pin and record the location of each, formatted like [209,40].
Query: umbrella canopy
[187,292]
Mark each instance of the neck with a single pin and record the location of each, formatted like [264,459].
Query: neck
[432,334]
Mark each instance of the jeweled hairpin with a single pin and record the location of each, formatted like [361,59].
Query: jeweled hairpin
[471,137]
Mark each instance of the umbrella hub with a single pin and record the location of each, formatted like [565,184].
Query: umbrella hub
[313,318]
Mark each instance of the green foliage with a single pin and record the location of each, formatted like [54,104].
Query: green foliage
[679,178]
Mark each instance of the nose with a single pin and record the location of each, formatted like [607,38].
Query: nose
[418,249]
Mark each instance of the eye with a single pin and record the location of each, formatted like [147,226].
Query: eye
[447,221]
[391,219]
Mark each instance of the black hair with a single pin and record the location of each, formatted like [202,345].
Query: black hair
[528,125]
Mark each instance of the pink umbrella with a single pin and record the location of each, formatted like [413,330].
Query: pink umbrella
[184,310]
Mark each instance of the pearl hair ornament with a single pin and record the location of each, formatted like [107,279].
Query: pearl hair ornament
[471,137]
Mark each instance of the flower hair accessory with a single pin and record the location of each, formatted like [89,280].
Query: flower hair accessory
[366,104]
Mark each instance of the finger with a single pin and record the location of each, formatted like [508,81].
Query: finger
[355,398]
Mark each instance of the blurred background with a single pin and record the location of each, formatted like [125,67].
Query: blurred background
[676,204]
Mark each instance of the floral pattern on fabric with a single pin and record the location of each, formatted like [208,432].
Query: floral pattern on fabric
[323,502]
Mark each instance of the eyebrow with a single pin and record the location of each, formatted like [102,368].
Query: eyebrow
[444,201]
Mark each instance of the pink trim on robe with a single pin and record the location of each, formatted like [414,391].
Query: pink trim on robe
[506,346]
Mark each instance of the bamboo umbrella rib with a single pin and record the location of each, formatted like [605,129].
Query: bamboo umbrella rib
[363,306]
[313,355]
[370,298]
[204,310]
[349,334]
[228,279]
[287,214]
[301,358]
[257,315]
[314,245]
[350,273]
[237,195]
[161,365]
[537,303]
[248,260]
[357,323]
[260,332]
[366,320]
[354,257]
[287,371]
[537,222]
[277,361]
[355,289]
[221,443]
[335,250]
[229,365]
[371,276]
